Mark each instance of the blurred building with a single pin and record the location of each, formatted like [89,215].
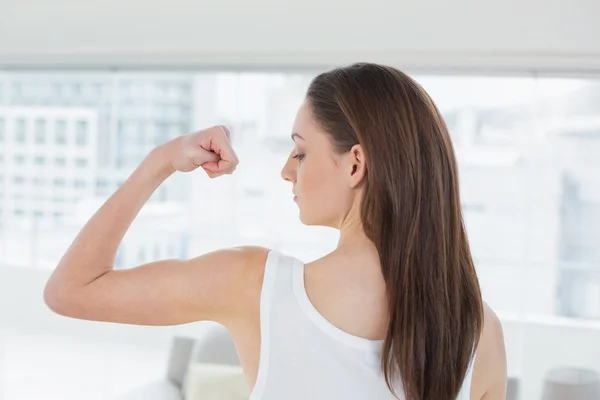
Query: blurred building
[576,144]
[135,112]
[48,161]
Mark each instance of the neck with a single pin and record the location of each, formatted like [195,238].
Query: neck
[352,234]
[356,248]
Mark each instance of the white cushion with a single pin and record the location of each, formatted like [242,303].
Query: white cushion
[215,382]
[159,390]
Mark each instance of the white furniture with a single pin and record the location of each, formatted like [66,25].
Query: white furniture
[206,368]
[571,384]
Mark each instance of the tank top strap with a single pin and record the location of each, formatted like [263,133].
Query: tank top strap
[277,282]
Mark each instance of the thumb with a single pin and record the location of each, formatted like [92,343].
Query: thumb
[204,156]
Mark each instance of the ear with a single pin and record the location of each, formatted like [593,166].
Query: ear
[358,165]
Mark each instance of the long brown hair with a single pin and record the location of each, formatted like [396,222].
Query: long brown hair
[411,211]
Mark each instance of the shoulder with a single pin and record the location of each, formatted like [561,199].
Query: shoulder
[241,265]
[489,374]
[248,256]
[231,279]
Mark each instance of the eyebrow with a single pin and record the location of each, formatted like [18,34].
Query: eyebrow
[295,135]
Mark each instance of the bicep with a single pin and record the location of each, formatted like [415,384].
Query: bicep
[168,292]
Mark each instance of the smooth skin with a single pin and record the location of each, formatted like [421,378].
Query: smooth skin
[224,285]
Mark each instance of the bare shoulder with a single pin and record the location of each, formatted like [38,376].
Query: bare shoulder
[489,374]
[243,267]
[244,257]
[235,283]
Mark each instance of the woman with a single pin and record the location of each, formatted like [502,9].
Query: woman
[395,311]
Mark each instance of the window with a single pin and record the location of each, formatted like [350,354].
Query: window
[60,132]
[59,182]
[20,130]
[57,89]
[2,129]
[40,131]
[528,152]
[81,133]
[19,160]
[97,89]
[17,89]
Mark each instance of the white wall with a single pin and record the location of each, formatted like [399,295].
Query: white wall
[506,35]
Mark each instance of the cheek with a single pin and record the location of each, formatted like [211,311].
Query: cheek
[318,183]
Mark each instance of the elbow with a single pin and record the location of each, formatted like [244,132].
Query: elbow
[51,299]
[56,299]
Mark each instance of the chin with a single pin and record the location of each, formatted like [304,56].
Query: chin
[306,221]
[310,221]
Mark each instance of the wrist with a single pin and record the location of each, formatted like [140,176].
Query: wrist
[159,163]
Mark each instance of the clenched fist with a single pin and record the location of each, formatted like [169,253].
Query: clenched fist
[209,149]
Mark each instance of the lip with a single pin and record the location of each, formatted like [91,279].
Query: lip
[295,198]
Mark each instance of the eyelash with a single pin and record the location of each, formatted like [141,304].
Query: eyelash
[299,157]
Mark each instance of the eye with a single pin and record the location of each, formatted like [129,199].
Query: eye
[299,157]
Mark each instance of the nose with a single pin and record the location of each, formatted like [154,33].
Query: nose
[287,172]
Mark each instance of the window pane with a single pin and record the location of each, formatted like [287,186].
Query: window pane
[60,132]
[21,131]
[40,131]
[59,182]
[81,138]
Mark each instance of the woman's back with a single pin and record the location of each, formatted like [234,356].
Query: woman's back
[317,331]
[303,354]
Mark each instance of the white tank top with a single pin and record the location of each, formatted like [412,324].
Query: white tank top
[303,356]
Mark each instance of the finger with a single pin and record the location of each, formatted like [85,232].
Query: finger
[212,174]
[215,170]
[203,157]
[212,166]
[225,166]
[226,132]
[221,145]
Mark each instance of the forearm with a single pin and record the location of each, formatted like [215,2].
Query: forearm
[93,251]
